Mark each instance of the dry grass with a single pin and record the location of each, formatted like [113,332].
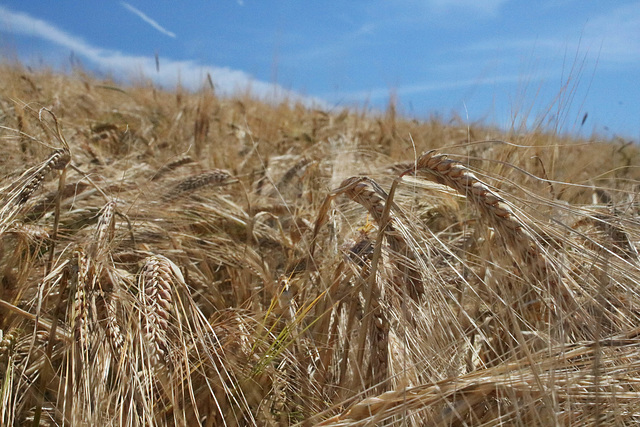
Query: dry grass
[181,259]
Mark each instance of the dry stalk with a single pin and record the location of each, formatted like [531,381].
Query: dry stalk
[356,263]
[56,220]
[202,123]
[40,322]
[518,387]
[45,203]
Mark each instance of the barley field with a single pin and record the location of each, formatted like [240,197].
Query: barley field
[179,258]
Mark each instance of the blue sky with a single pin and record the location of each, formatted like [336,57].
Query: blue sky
[501,62]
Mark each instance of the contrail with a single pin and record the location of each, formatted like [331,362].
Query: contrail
[148,20]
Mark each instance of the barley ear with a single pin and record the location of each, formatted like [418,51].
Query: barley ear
[215,178]
[104,231]
[515,232]
[156,286]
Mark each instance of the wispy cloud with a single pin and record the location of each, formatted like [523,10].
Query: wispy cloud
[435,9]
[418,88]
[617,33]
[188,73]
[489,7]
[611,37]
[148,20]
[339,45]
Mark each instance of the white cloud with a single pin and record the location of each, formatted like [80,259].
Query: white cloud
[188,73]
[23,24]
[148,20]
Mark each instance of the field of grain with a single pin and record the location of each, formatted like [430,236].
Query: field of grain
[176,258]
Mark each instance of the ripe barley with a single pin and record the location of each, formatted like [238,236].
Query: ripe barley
[104,230]
[293,171]
[215,177]
[7,345]
[180,161]
[439,168]
[32,232]
[156,294]
[81,303]
[112,326]
[57,160]
[23,188]
[371,196]
[516,234]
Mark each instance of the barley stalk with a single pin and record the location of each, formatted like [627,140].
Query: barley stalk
[375,326]
[441,169]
